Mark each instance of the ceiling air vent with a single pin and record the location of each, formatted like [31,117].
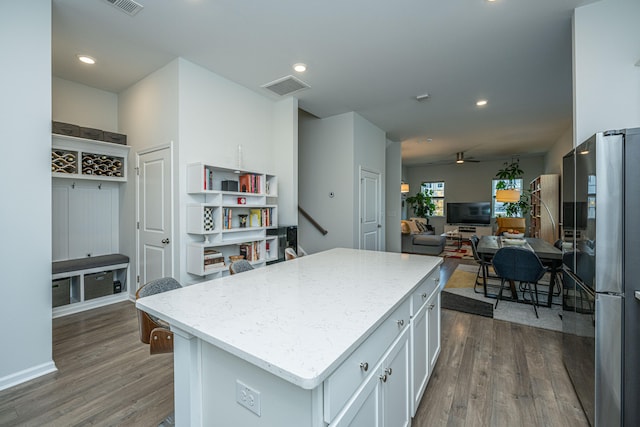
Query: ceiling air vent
[127,6]
[286,85]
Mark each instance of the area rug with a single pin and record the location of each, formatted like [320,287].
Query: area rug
[460,296]
[452,251]
[461,278]
[461,303]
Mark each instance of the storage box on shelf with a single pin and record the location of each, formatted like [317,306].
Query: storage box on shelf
[230,222]
[80,158]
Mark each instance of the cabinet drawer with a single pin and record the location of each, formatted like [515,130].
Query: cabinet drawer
[345,380]
[424,290]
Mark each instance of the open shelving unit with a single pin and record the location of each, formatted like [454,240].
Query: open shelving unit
[216,216]
[545,190]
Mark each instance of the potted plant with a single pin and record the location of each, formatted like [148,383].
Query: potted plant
[422,204]
[507,177]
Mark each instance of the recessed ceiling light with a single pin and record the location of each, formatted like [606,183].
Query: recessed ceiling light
[481,102]
[429,139]
[86,59]
[300,67]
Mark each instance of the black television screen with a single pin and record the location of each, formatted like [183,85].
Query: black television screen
[478,213]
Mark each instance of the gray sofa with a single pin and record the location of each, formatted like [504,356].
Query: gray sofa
[416,241]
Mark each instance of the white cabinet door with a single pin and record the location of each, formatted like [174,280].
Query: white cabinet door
[395,390]
[363,409]
[383,400]
[419,360]
[433,314]
[368,415]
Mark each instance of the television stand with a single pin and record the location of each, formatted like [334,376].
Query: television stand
[467,231]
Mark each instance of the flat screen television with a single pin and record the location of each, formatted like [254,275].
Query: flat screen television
[477,213]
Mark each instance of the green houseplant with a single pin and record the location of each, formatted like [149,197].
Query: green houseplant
[507,177]
[422,204]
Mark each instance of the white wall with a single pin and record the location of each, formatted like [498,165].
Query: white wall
[369,151]
[148,115]
[217,115]
[25,226]
[553,158]
[393,202]
[84,106]
[326,159]
[285,161]
[331,153]
[606,79]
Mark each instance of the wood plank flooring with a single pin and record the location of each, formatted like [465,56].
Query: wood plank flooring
[105,376]
[489,373]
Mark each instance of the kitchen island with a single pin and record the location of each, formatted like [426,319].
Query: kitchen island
[342,337]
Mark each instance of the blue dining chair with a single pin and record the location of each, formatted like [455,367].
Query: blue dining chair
[483,266]
[516,264]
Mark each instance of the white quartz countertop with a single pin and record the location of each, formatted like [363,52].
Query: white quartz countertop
[297,319]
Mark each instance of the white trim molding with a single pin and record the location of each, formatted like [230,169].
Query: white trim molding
[27,374]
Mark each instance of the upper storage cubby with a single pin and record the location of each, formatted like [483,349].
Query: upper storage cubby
[80,158]
[208,179]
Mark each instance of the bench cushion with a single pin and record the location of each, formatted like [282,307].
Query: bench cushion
[88,262]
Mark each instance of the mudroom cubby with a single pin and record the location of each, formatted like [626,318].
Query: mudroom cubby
[87,183]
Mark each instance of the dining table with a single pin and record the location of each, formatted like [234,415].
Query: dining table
[550,256]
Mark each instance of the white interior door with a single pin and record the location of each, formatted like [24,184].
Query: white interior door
[370,210]
[155,219]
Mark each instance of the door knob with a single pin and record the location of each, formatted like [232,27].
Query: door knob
[165,241]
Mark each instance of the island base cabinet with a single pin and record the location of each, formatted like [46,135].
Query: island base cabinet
[395,391]
[434,327]
[419,358]
[425,340]
[281,402]
[383,400]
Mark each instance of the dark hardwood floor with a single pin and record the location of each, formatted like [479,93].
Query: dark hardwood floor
[489,373]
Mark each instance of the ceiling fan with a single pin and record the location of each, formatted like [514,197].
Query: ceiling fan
[460,158]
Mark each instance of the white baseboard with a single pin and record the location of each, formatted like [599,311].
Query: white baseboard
[27,374]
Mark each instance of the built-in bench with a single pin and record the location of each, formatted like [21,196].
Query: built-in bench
[88,263]
[84,283]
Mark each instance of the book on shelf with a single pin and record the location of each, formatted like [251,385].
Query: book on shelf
[255,216]
[266,217]
[209,263]
[208,178]
[227,216]
[251,251]
[211,254]
[214,265]
[249,183]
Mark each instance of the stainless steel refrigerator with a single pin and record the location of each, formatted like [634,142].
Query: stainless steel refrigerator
[601,306]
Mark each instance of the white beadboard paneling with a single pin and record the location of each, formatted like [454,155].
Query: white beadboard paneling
[60,221]
[92,219]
